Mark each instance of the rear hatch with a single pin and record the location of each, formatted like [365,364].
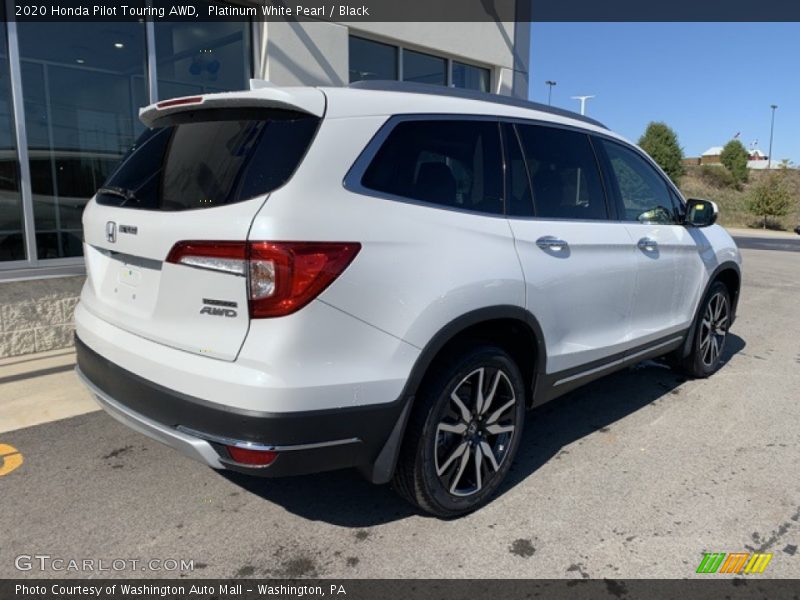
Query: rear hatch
[200,173]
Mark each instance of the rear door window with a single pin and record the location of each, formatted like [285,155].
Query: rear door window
[519,200]
[564,173]
[450,163]
[203,159]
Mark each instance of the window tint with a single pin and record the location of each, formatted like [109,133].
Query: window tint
[203,159]
[197,57]
[518,187]
[449,163]
[678,205]
[564,174]
[470,77]
[83,85]
[372,60]
[643,192]
[424,68]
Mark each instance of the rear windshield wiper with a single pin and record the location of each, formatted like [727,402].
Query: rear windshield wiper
[126,194]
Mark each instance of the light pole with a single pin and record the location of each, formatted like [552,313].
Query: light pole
[550,83]
[771,130]
[583,100]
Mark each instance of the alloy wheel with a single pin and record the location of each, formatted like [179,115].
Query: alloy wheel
[714,329]
[474,435]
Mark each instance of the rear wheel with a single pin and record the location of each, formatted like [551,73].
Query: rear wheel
[463,433]
[711,333]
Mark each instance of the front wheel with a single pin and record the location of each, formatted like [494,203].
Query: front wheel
[711,333]
[463,433]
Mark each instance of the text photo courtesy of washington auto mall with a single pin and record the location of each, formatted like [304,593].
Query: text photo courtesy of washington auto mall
[453,299]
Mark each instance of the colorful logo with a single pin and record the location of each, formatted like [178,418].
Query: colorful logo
[734,563]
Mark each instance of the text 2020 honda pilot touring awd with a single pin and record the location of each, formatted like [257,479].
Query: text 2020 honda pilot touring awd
[292,280]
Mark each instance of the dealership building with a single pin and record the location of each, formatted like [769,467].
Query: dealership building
[70,94]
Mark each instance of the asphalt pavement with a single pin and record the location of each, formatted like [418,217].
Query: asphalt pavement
[636,475]
[780,244]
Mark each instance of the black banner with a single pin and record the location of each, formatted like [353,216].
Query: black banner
[406,10]
[738,588]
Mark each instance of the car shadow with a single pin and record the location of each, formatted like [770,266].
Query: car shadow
[346,499]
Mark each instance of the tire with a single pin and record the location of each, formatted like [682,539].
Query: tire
[711,333]
[455,454]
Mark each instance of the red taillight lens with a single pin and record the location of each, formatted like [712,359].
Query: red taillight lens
[247,456]
[179,102]
[283,276]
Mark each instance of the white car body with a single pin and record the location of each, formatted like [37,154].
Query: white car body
[332,383]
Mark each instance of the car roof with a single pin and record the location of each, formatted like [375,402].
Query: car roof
[401,98]
[376,98]
[465,94]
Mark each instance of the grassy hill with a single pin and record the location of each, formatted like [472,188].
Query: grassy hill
[713,183]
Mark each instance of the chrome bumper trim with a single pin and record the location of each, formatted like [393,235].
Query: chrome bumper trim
[225,441]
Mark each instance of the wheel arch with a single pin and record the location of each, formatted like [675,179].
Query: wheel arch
[730,274]
[514,328]
[511,327]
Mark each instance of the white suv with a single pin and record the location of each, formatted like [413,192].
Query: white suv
[385,276]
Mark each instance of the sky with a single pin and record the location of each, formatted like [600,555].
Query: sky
[708,81]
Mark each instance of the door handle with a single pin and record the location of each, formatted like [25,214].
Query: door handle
[549,242]
[647,244]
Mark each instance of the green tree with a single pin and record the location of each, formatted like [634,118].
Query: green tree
[661,143]
[734,158]
[770,198]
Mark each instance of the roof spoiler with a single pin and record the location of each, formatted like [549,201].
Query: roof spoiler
[261,94]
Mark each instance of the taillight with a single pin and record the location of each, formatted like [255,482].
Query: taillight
[285,276]
[230,257]
[282,276]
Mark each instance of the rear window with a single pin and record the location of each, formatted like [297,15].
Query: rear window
[450,163]
[202,159]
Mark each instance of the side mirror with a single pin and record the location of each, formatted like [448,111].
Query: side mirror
[701,213]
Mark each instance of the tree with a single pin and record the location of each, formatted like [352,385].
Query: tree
[734,158]
[661,143]
[770,198]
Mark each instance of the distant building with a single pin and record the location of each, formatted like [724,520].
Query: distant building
[711,156]
[755,159]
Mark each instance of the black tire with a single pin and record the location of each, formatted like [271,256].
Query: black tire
[710,336]
[431,473]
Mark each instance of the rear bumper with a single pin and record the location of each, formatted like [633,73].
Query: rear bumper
[306,441]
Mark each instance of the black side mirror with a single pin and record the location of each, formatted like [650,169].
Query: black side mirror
[701,213]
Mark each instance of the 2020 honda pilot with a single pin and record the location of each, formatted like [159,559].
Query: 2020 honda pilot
[385,276]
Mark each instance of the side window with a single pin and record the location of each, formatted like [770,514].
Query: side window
[564,174]
[678,205]
[643,192]
[518,185]
[451,163]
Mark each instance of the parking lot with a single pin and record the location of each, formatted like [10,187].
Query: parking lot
[636,475]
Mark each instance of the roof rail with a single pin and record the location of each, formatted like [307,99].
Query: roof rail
[437,90]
